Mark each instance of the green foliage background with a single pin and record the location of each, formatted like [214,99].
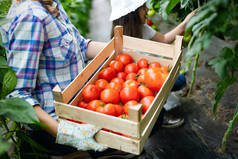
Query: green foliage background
[214,18]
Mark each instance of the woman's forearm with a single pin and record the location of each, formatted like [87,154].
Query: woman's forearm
[45,118]
[179,30]
[94,48]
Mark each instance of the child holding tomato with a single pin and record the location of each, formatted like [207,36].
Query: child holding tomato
[131,14]
[45,49]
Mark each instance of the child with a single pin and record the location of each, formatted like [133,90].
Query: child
[131,14]
[45,49]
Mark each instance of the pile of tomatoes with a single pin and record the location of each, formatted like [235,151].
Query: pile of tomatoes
[123,84]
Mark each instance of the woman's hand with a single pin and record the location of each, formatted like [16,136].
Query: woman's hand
[188,17]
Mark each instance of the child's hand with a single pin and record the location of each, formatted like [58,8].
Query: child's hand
[80,136]
[189,16]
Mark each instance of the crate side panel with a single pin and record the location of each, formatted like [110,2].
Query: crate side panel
[149,46]
[116,124]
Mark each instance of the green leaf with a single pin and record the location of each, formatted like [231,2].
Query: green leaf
[197,18]
[4,145]
[18,110]
[220,90]
[232,32]
[198,45]
[8,80]
[184,3]
[3,61]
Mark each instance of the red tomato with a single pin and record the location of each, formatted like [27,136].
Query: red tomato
[145,91]
[131,76]
[164,69]
[129,93]
[117,65]
[153,78]
[118,80]
[122,75]
[141,78]
[142,71]
[146,102]
[130,83]
[119,109]
[94,104]
[154,64]
[101,84]
[124,58]
[149,22]
[132,67]
[108,109]
[107,74]
[142,63]
[82,104]
[109,95]
[129,104]
[114,85]
[90,92]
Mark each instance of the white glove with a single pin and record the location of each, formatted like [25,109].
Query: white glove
[80,136]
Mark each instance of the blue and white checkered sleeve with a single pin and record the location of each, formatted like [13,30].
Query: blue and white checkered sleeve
[25,46]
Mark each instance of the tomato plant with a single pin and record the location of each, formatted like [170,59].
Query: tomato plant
[213,18]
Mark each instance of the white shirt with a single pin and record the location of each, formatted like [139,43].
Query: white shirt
[147,32]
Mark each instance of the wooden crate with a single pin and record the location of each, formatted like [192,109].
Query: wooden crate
[138,129]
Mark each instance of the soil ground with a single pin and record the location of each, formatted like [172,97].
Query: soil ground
[201,135]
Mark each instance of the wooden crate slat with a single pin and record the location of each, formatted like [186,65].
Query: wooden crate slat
[149,46]
[118,142]
[163,61]
[150,125]
[83,76]
[109,122]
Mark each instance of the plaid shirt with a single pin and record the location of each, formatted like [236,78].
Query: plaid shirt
[43,51]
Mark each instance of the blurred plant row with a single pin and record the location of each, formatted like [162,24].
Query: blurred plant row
[214,18]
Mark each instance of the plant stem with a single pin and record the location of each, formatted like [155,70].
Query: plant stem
[224,139]
[193,73]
